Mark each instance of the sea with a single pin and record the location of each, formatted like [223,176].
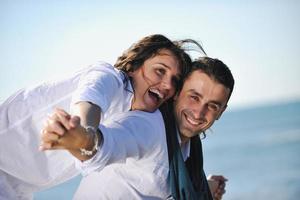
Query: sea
[256,148]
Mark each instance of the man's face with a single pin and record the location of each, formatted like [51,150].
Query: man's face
[200,102]
[155,81]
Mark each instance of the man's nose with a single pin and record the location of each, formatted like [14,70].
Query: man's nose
[200,111]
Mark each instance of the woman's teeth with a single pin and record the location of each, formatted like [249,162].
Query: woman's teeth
[155,91]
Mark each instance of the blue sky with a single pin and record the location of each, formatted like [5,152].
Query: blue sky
[258,40]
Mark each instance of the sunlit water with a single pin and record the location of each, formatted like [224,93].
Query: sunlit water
[258,151]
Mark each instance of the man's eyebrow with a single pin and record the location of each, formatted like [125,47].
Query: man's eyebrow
[193,91]
[216,102]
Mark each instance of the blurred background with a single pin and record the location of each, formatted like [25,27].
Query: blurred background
[256,142]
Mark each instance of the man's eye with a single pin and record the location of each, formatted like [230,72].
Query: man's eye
[213,107]
[195,98]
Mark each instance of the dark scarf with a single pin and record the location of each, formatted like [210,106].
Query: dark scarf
[187,179]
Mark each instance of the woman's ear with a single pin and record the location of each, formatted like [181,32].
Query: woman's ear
[133,74]
[130,74]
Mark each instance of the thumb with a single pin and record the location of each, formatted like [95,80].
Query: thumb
[74,121]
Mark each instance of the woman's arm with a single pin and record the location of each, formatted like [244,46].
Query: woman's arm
[88,113]
[134,135]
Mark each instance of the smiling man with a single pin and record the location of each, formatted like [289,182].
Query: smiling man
[203,97]
[202,100]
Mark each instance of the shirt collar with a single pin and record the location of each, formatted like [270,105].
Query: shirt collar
[185,147]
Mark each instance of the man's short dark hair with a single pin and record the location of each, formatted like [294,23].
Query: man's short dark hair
[215,69]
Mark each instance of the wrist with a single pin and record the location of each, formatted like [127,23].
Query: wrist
[92,140]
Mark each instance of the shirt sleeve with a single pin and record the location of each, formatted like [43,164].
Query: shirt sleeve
[98,85]
[137,135]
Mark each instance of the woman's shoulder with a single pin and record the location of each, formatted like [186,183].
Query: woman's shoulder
[102,66]
[99,72]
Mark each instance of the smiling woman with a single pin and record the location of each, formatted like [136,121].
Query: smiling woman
[156,81]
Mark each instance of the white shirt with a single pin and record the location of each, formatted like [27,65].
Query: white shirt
[23,168]
[132,162]
[185,147]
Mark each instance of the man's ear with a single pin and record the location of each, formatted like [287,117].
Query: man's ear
[220,114]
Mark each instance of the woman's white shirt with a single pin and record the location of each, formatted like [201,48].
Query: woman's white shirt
[22,166]
[132,162]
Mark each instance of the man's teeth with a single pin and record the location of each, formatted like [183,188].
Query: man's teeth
[192,121]
[161,96]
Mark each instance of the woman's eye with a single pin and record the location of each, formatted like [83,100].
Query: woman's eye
[161,71]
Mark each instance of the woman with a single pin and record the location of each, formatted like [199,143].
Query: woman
[145,76]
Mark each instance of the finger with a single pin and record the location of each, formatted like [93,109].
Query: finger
[62,112]
[74,121]
[50,137]
[50,146]
[45,146]
[54,126]
[220,191]
[222,185]
[64,119]
[57,146]
[218,177]
[218,196]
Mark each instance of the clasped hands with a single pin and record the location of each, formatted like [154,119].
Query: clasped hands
[63,131]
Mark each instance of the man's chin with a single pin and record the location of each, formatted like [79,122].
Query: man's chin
[186,132]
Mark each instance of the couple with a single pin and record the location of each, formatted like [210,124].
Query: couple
[132,150]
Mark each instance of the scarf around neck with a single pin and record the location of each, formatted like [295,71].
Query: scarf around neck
[187,180]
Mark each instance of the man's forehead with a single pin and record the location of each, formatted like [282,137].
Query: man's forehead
[199,83]
[197,76]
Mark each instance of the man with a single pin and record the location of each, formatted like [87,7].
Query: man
[202,99]
[130,162]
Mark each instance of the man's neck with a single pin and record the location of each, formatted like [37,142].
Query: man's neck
[183,139]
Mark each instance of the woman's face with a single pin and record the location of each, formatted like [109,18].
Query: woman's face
[155,81]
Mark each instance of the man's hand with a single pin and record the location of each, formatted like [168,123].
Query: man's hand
[217,186]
